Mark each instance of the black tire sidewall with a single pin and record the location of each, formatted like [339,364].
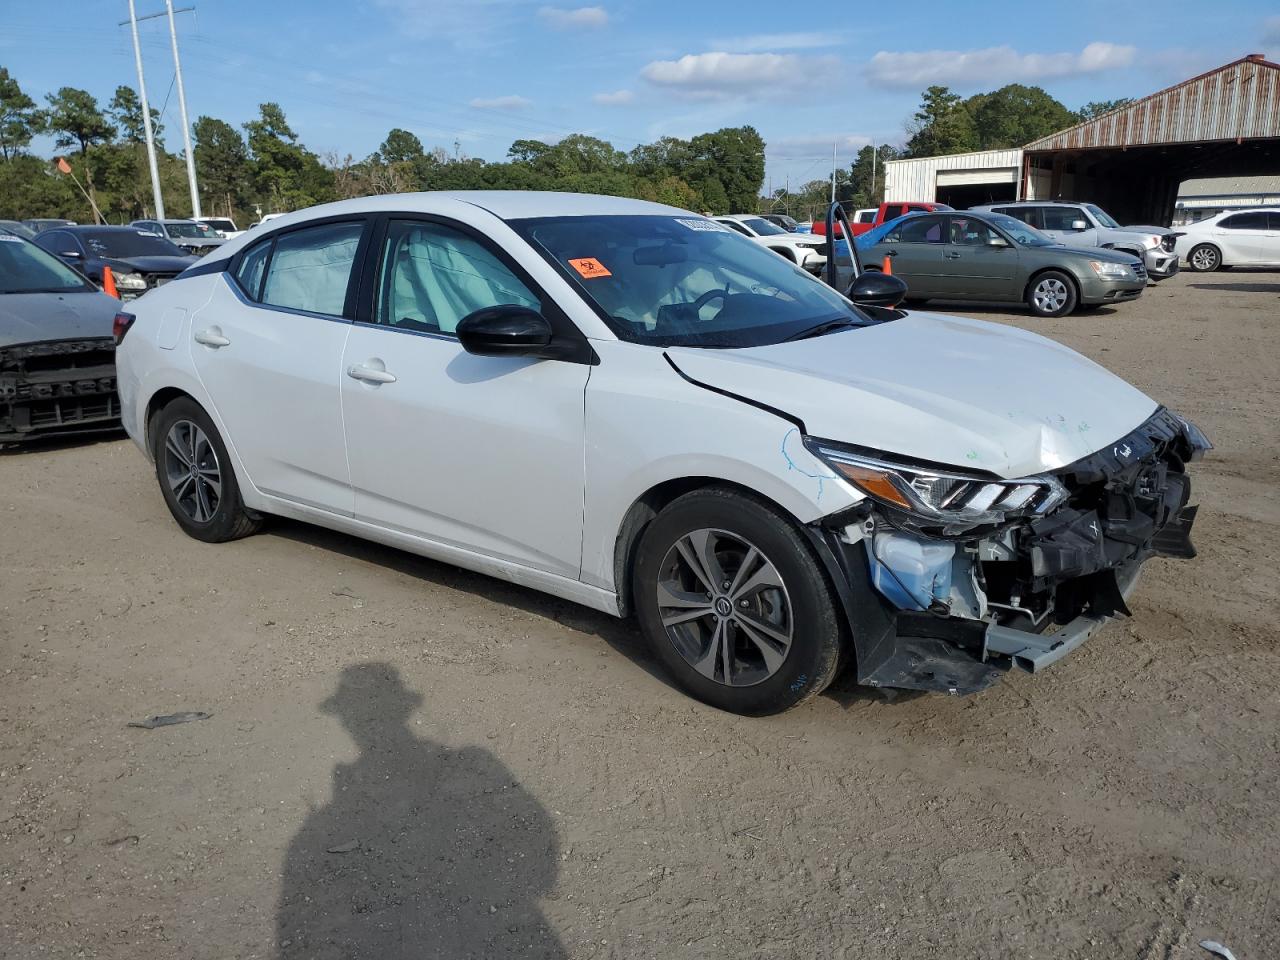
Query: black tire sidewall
[228,519]
[1217,254]
[817,636]
[1073,297]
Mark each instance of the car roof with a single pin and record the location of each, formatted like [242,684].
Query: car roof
[1032,203]
[99,228]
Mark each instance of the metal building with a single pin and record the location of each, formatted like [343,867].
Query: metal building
[1223,123]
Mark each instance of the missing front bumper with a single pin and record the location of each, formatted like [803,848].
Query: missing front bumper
[58,388]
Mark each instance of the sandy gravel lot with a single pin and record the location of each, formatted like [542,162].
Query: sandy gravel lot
[398,747]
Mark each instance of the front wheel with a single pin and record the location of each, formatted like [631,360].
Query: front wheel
[1204,258]
[734,603]
[1052,294]
[195,474]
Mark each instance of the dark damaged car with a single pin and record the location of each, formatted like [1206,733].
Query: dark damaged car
[57,351]
[139,261]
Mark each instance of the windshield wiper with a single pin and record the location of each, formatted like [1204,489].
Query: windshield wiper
[822,329]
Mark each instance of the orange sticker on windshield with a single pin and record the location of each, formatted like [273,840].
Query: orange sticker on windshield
[589,268]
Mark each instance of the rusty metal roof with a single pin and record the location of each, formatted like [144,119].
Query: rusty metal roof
[1238,101]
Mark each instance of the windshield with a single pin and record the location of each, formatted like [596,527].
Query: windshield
[195,231]
[672,281]
[25,268]
[128,243]
[763,227]
[1023,233]
[1101,215]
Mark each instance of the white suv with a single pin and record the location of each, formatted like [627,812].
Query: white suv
[804,249]
[634,408]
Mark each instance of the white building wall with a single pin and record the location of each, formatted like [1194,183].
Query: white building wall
[917,179]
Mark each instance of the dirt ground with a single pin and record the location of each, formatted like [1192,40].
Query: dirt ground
[440,765]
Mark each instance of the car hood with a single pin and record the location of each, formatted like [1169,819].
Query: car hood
[950,390]
[34,317]
[160,264]
[1101,254]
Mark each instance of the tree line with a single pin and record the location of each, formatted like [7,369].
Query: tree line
[261,165]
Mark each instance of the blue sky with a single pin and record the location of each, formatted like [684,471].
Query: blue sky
[486,72]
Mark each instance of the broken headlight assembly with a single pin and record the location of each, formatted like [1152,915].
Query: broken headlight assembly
[130,281]
[939,501]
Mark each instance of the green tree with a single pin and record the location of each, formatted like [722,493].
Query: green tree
[401,146]
[733,157]
[76,120]
[941,125]
[20,118]
[1015,115]
[222,164]
[286,174]
[1097,108]
[865,186]
[125,111]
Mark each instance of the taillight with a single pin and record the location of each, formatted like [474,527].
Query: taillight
[120,325]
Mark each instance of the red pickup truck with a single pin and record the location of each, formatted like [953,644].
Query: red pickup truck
[864,220]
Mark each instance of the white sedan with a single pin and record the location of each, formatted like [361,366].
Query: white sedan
[1242,238]
[634,408]
[805,249]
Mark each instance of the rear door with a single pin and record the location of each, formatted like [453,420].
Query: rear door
[975,268]
[915,249]
[482,453]
[268,348]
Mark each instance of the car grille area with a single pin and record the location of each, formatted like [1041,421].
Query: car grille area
[57,387]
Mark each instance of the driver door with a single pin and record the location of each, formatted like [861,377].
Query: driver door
[483,453]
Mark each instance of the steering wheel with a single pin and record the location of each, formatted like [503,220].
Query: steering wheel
[707,297]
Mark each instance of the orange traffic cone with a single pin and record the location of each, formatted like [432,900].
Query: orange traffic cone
[888,265]
[109,283]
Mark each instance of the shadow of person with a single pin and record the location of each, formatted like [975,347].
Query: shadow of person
[424,851]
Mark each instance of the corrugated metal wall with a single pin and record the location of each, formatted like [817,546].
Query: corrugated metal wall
[1238,101]
[918,179]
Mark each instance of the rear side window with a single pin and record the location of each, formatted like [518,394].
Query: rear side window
[310,269]
[921,230]
[894,211]
[252,268]
[1246,221]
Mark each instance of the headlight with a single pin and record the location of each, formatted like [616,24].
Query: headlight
[130,281]
[1196,439]
[1112,271]
[943,501]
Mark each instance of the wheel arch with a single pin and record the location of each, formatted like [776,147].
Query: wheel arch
[785,252]
[1065,271]
[157,402]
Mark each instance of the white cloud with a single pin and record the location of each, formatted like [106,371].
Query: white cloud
[993,65]
[768,42]
[1271,31]
[512,102]
[616,99]
[720,74]
[816,147]
[565,18]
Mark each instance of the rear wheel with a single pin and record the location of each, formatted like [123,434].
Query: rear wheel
[195,475]
[734,603]
[1204,258]
[1051,294]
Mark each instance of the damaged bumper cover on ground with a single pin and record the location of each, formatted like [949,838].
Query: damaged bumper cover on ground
[57,387]
[1021,596]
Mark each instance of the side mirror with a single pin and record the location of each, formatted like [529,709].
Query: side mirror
[508,330]
[1079,224]
[876,289]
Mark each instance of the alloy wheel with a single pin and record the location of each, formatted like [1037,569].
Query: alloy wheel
[725,607]
[1204,258]
[1050,295]
[192,471]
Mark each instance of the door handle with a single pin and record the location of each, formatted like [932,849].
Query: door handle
[211,338]
[359,371]
[951,255]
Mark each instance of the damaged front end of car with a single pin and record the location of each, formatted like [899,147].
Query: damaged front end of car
[951,578]
[57,387]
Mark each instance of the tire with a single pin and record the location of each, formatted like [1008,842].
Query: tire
[1052,294]
[784,630]
[204,499]
[1204,258]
